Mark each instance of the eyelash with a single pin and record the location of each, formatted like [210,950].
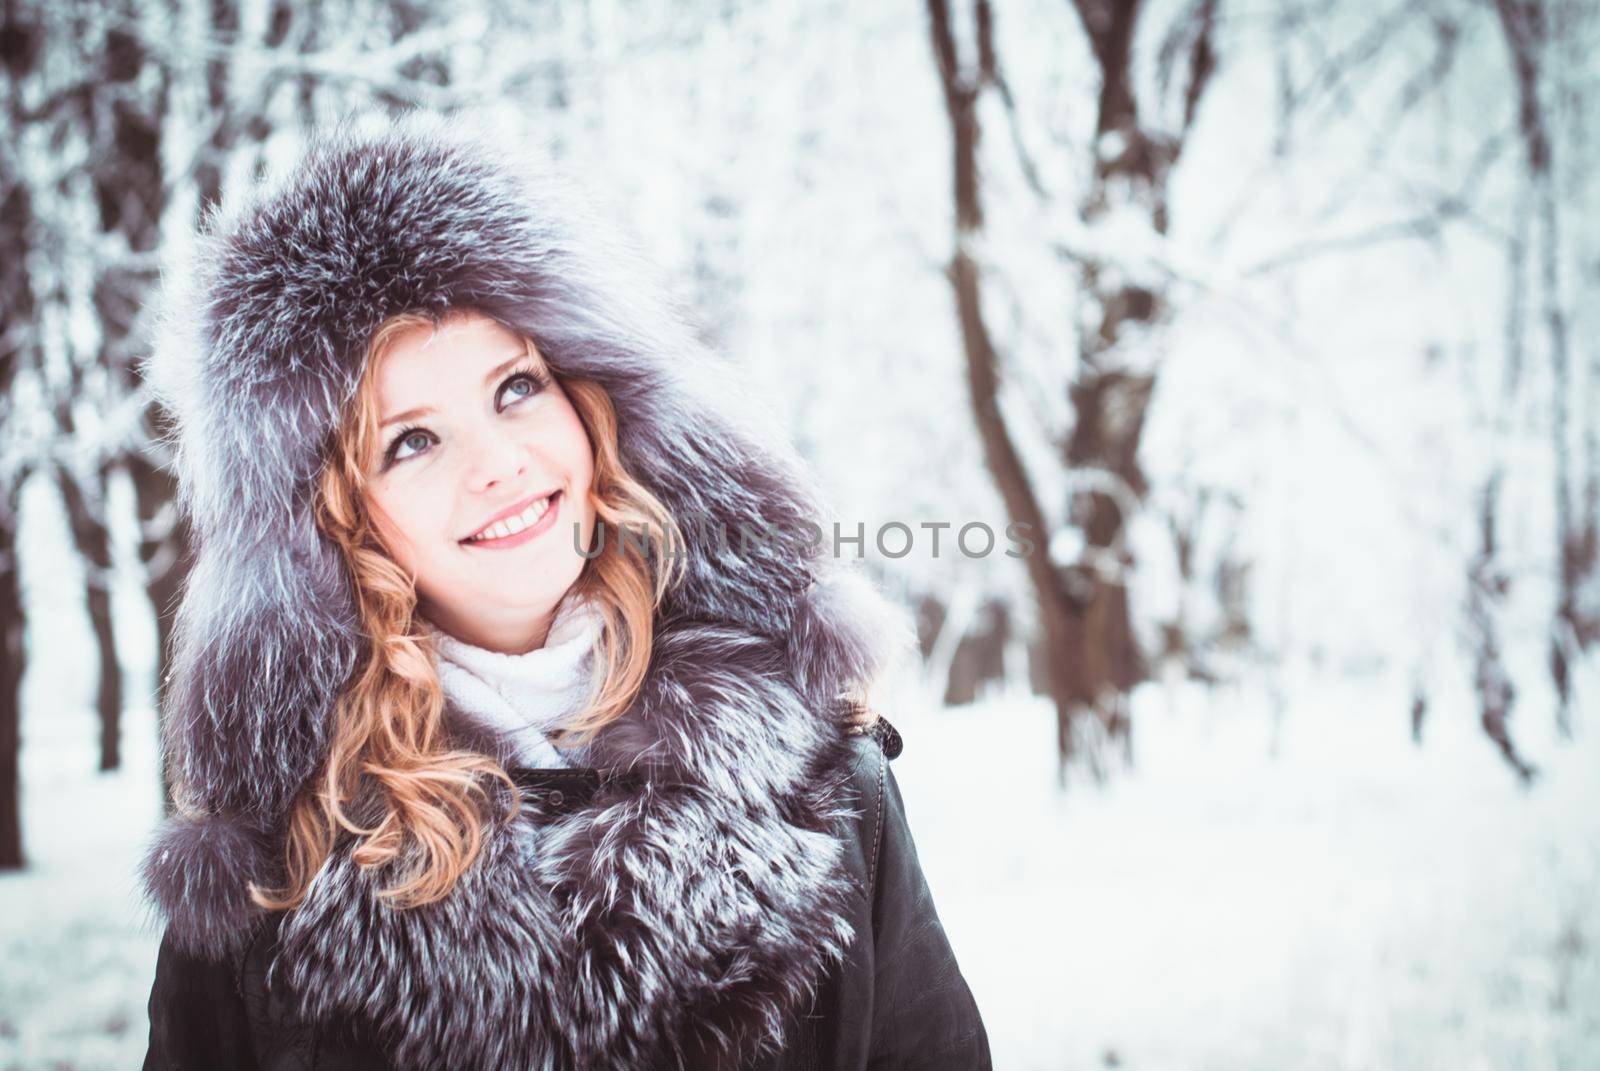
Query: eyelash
[529,371]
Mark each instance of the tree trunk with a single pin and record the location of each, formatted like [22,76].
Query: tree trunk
[1574,627]
[1116,377]
[979,658]
[1058,613]
[11,655]
[86,514]
[1110,407]
[1487,585]
[19,56]
[1084,608]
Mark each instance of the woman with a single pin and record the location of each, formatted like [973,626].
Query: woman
[419,393]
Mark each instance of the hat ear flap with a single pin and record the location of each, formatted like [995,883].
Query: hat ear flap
[266,640]
[196,873]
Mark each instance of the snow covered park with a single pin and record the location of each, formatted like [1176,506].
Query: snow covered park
[1314,281]
[1323,896]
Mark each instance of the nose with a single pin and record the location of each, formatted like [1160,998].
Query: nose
[494,460]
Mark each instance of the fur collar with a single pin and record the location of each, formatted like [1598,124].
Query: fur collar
[677,920]
[661,924]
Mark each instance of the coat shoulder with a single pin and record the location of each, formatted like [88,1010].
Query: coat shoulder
[198,1014]
[210,1011]
[923,1011]
[871,747]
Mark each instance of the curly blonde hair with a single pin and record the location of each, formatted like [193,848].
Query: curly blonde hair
[387,730]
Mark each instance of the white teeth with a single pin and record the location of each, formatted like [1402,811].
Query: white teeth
[513,525]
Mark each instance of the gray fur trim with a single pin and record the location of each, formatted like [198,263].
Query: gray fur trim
[196,871]
[677,925]
[648,929]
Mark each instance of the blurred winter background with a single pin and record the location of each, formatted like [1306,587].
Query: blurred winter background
[1278,316]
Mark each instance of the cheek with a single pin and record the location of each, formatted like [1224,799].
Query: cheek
[576,447]
[398,520]
[584,461]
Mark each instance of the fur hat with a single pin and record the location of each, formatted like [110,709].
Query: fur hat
[261,347]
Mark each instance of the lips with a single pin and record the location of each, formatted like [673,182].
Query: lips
[510,511]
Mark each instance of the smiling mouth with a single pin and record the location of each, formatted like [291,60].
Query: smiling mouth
[523,523]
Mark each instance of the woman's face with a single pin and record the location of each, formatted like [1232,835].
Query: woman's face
[483,471]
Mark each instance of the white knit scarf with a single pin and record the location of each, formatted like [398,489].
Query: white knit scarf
[527,696]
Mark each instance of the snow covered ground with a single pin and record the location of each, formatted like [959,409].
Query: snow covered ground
[1353,902]
[77,949]
[1322,896]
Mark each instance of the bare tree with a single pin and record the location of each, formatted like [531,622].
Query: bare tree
[1328,58]
[1527,27]
[125,121]
[20,51]
[1093,656]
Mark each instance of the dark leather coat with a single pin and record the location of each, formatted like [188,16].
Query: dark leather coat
[898,1000]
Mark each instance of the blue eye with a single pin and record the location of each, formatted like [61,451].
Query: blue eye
[535,383]
[406,435]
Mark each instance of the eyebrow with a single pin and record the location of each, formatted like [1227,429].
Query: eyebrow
[424,410]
